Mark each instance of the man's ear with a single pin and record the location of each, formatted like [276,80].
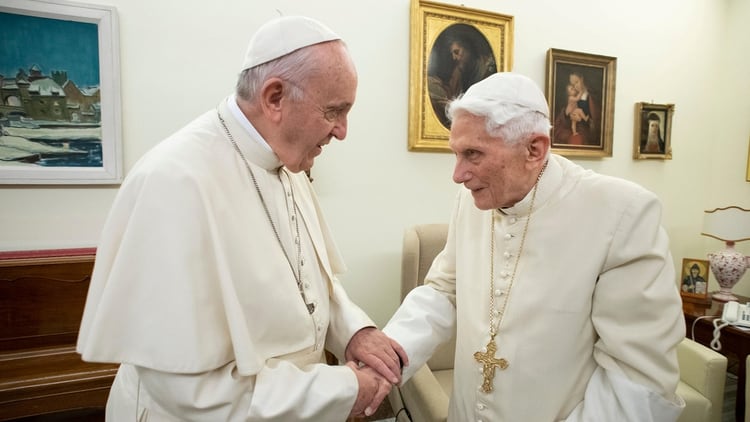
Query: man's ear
[272,94]
[538,147]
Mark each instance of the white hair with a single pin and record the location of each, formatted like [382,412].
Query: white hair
[294,67]
[511,122]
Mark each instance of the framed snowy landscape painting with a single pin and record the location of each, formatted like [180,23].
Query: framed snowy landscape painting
[60,93]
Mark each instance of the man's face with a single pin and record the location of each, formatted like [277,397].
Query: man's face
[494,172]
[321,114]
[459,54]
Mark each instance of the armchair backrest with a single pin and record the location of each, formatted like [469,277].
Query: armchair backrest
[421,244]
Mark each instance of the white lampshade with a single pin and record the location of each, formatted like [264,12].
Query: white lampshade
[730,224]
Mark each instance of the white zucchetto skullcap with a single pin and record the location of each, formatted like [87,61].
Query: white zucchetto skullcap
[284,35]
[509,88]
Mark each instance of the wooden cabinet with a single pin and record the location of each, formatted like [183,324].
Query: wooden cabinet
[42,294]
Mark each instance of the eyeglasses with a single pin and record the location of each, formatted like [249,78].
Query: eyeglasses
[331,113]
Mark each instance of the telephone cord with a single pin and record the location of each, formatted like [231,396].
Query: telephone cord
[718,325]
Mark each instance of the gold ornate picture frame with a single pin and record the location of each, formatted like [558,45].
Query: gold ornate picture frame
[451,48]
[653,128]
[580,89]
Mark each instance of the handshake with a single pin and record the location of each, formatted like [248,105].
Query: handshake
[377,360]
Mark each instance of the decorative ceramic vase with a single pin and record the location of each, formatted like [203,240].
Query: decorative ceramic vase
[728,267]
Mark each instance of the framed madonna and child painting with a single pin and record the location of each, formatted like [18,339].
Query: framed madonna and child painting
[581,93]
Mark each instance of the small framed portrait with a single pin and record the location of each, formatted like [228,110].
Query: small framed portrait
[452,47]
[694,280]
[653,125]
[581,94]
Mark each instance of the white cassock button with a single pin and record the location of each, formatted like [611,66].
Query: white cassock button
[307,285]
[504,274]
[513,220]
[495,312]
[498,292]
[508,236]
[480,406]
[506,254]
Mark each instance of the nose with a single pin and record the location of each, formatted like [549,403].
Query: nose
[340,128]
[460,174]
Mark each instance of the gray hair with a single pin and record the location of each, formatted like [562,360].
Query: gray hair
[511,122]
[294,67]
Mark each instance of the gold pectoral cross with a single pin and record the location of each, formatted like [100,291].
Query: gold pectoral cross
[489,362]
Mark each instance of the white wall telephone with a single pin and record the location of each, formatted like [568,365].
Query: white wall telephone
[736,314]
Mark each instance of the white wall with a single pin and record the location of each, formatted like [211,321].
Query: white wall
[179,61]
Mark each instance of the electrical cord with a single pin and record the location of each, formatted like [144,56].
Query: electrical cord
[403,407]
[405,410]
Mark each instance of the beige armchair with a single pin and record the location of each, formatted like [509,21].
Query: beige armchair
[703,373]
[424,398]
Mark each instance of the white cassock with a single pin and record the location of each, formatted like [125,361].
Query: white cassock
[194,295]
[593,317]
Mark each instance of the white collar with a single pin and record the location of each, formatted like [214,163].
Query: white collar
[548,186]
[254,134]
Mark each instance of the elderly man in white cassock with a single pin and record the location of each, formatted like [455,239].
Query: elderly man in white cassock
[215,279]
[557,282]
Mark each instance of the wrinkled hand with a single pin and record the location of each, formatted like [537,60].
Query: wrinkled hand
[373,348]
[372,390]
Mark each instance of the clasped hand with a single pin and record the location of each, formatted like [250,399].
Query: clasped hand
[376,359]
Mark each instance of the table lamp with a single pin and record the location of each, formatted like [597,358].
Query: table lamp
[730,224]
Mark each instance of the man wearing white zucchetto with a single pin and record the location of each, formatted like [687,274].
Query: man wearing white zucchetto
[557,281]
[215,284]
